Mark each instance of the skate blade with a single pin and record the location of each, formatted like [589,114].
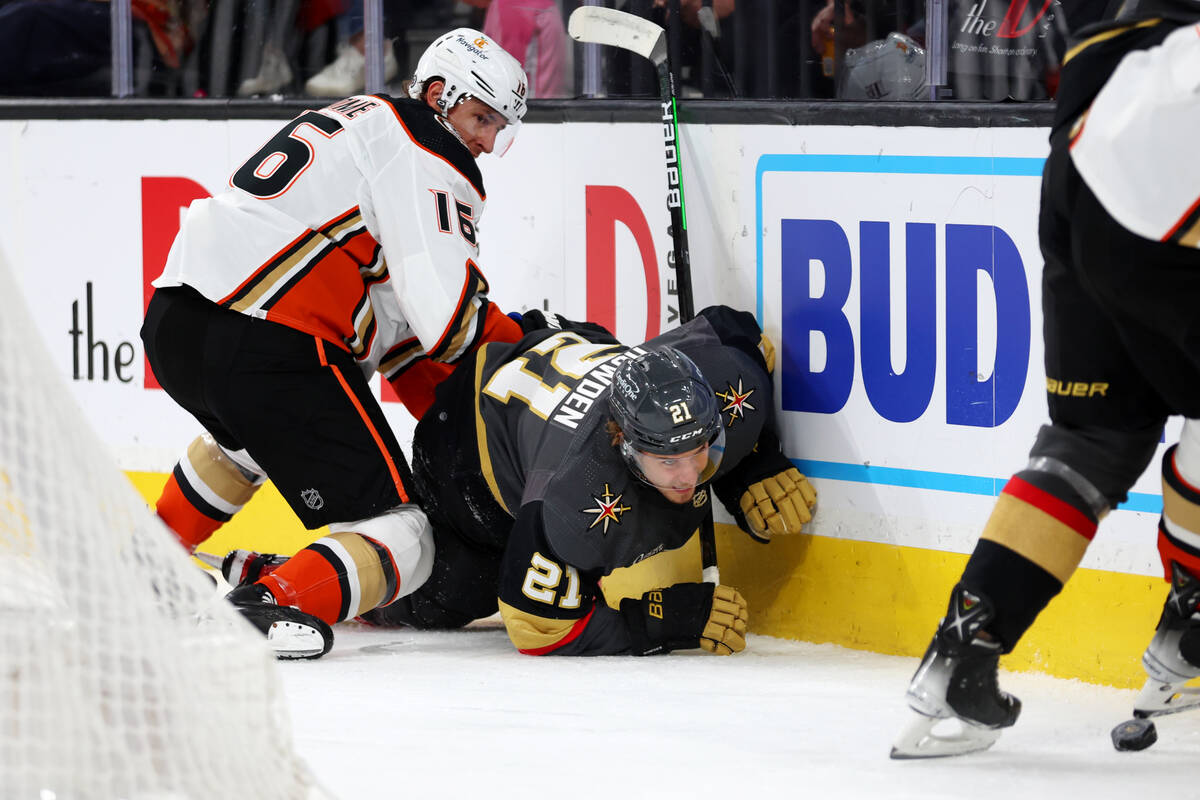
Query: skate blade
[1157,699]
[918,739]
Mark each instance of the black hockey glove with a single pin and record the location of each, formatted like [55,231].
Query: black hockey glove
[537,320]
[685,616]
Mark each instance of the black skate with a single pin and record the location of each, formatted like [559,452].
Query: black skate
[1173,656]
[290,632]
[957,681]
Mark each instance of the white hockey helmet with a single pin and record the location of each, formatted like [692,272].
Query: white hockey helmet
[473,65]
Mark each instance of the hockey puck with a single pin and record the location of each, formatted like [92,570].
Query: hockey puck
[1134,734]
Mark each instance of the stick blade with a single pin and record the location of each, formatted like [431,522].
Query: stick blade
[599,25]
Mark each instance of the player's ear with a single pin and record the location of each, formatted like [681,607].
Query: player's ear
[433,93]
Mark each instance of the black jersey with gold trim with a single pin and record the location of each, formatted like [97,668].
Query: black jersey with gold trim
[579,513]
[542,408]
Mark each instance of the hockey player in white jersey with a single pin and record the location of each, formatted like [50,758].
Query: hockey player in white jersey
[347,244]
[1119,230]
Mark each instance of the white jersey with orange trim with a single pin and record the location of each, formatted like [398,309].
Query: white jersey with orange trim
[1134,147]
[355,223]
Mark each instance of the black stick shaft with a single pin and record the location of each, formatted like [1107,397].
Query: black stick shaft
[683,267]
[675,200]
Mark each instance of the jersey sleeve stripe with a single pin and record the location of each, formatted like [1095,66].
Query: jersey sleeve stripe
[397,360]
[463,328]
[364,328]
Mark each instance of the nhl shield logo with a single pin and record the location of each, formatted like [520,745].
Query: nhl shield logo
[700,498]
[312,498]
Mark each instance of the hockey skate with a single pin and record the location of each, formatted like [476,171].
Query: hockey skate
[1173,656]
[955,687]
[290,632]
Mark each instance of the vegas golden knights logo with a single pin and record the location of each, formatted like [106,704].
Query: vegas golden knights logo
[608,509]
[736,402]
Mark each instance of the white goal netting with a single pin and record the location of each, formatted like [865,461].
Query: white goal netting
[123,676]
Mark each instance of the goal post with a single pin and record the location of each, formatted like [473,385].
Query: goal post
[123,674]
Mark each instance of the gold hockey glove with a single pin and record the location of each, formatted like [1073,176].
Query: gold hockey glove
[725,632]
[779,504]
[685,616]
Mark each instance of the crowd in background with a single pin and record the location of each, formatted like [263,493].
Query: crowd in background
[992,50]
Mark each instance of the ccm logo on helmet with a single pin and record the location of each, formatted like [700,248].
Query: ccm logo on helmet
[682,436]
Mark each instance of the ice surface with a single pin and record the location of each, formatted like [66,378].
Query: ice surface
[409,714]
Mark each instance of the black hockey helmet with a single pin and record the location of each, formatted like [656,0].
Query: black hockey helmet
[664,406]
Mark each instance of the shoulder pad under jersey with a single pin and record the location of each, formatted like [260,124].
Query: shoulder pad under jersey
[430,132]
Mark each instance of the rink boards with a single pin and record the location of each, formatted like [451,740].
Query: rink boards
[896,269]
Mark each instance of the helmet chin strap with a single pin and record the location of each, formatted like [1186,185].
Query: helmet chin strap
[444,112]
[448,125]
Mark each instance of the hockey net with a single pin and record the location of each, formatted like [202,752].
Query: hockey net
[122,672]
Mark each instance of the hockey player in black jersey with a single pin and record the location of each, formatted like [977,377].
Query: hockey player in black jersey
[553,461]
[545,464]
[1119,230]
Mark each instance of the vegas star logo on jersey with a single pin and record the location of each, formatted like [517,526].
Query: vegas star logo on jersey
[609,509]
[736,402]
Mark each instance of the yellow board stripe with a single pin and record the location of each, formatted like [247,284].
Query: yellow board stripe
[884,598]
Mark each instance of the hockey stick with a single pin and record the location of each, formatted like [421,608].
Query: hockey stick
[598,25]
[607,26]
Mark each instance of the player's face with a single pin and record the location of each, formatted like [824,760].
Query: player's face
[675,476]
[478,124]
